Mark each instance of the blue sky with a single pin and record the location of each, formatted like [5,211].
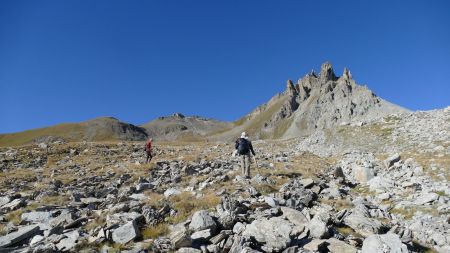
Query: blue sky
[69,61]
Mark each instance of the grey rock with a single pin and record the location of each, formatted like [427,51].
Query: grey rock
[13,205]
[64,218]
[5,200]
[363,225]
[138,196]
[171,191]
[36,217]
[188,250]
[36,239]
[22,234]
[122,207]
[143,186]
[224,234]
[202,235]
[202,220]
[179,236]
[318,226]
[69,242]
[337,246]
[425,198]
[122,218]
[273,233]
[362,174]
[91,200]
[271,201]
[391,160]
[238,228]
[307,182]
[125,233]
[316,245]
[295,217]
[384,243]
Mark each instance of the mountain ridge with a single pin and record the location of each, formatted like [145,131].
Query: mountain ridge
[315,101]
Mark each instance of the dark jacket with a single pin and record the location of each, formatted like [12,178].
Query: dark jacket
[236,145]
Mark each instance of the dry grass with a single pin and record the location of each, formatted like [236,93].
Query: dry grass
[346,231]
[97,221]
[363,190]
[427,159]
[338,204]
[3,229]
[186,204]
[152,232]
[59,200]
[154,199]
[408,212]
[15,217]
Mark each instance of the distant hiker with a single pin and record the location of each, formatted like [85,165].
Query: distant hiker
[148,150]
[244,146]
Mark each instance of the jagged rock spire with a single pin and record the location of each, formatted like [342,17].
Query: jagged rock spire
[291,88]
[347,75]
[326,72]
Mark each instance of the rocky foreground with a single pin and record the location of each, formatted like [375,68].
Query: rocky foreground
[100,197]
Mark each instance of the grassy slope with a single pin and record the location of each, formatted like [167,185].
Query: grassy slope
[254,122]
[69,131]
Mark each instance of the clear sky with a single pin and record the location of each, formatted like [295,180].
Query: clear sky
[69,61]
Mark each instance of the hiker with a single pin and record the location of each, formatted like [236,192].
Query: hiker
[148,150]
[243,147]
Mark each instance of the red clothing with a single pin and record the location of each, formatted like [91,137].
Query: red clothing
[148,146]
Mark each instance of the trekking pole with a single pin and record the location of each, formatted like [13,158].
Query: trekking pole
[256,165]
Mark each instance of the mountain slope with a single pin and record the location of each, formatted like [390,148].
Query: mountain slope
[180,127]
[99,129]
[314,102]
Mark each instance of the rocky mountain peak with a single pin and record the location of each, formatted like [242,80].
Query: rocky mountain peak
[178,115]
[327,73]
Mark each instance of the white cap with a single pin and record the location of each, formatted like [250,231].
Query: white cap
[244,135]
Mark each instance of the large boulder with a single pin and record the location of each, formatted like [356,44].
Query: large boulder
[21,235]
[384,243]
[295,217]
[179,236]
[125,233]
[201,220]
[273,233]
[363,225]
[318,226]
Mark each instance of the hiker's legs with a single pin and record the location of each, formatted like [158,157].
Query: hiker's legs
[243,165]
[247,166]
[149,157]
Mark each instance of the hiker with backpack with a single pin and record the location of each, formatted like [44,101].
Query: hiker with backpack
[148,149]
[243,147]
